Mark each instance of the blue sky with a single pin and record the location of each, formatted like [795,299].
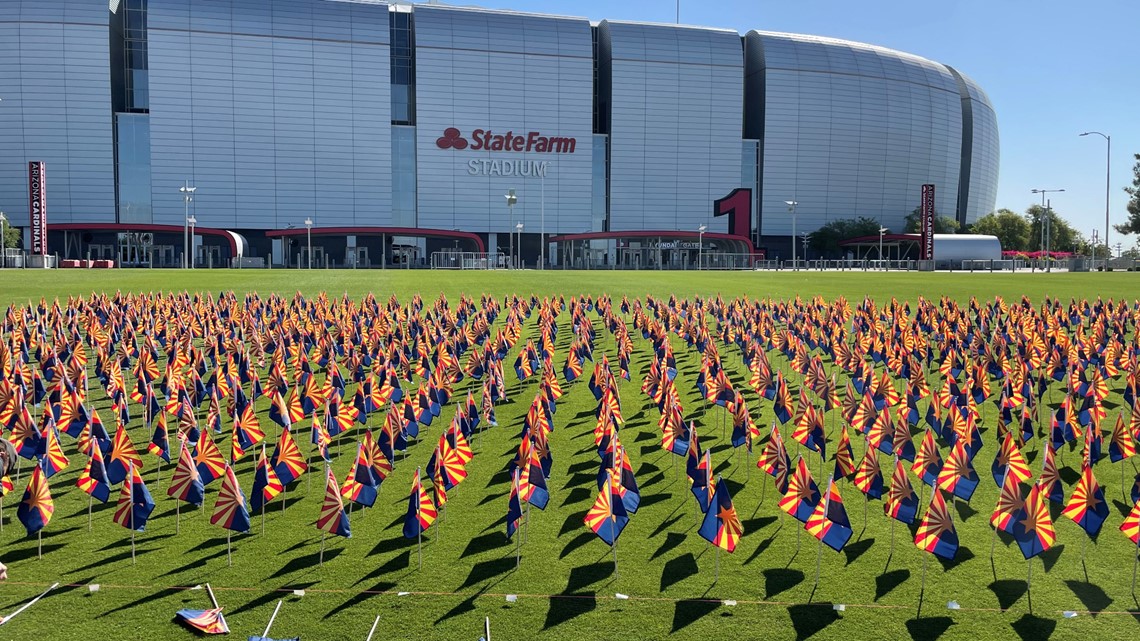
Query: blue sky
[1052,69]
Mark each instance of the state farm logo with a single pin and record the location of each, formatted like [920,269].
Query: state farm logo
[451,139]
[487,140]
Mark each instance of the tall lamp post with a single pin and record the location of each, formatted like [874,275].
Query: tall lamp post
[187,198]
[309,235]
[511,201]
[3,240]
[792,210]
[542,222]
[1107,187]
[804,236]
[518,230]
[701,246]
[1046,225]
[882,232]
[193,221]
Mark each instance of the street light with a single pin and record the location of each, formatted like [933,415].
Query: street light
[1107,187]
[882,231]
[519,230]
[805,239]
[193,221]
[187,198]
[511,200]
[1046,221]
[701,246]
[542,223]
[3,239]
[792,210]
[309,233]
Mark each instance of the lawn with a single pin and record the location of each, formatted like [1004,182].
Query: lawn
[566,584]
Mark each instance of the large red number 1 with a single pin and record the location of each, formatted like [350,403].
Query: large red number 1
[737,205]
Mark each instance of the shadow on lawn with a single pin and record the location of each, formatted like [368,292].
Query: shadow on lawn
[888,581]
[1092,596]
[1007,591]
[307,561]
[809,619]
[566,607]
[672,540]
[689,610]
[1031,628]
[928,628]
[777,580]
[270,597]
[678,569]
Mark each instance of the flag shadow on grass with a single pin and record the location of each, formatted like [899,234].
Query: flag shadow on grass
[108,560]
[689,610]
[199,562]
[888,581]
[375,590]
[484,543]
[154,596]
[964,554]
[31,551]
[777,580]
[577,495]
[585,575]
[573,522]
[486,570]
[307,562]
[928,628]
[270,597]
[575,543]
[566,607]
[677,570]
[399,562]
[809,619]
[1008,591]
[857,549]
[1031,628]
[1092,596]
[672,540]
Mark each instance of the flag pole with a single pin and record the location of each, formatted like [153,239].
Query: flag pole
[40,545]
[819,548]
[1135,558]
[90,499]
[321,558]
[131,480]
[270,624]
[419,525]
[177,517]
[373,630]
[1028,583]
[229,550]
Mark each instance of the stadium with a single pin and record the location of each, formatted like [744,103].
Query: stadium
[380,134]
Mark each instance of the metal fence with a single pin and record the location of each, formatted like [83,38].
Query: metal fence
[468,260]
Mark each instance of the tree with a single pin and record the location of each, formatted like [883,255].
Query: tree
[942,224]
[1062,236]
[825,240]
[1133,224]
[11,235]
[1011,228]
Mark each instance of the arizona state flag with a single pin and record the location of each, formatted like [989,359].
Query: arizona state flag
[869,476]
[230,510]
[1010,460]
[422,511]
[266,484]
[844,457]
[774,460]
[93,478]
[52,458]
[1087,506]
[514,505]
[287,461]
[123,456]
[607,518]
[901,503]
[135,504]
[721,526]
[208,458]
[1009,505]
[1033,526]
[936,533]
[186,483]
[1050,478]
[958,476]
[36,507]
[829,522]
[1131,524]
[160,442]
[802,495]
[927,462]
[332,518]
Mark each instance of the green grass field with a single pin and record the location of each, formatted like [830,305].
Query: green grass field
[566,584]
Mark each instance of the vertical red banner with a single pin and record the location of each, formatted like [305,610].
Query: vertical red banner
[37,206]
[926,247]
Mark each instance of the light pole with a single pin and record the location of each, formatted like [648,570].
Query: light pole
[882,232]
[1046,225]
[792,209]
[701,246]
[1107,185]
[187,198]
[805,239]
[3,239]
[542,222]
[193,221]
[518,230]
[511,200]
[309,235]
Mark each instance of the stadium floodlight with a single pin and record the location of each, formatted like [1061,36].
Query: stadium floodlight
[511,201]
[187,198]
[519,230]
[792,210]
[701,246]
